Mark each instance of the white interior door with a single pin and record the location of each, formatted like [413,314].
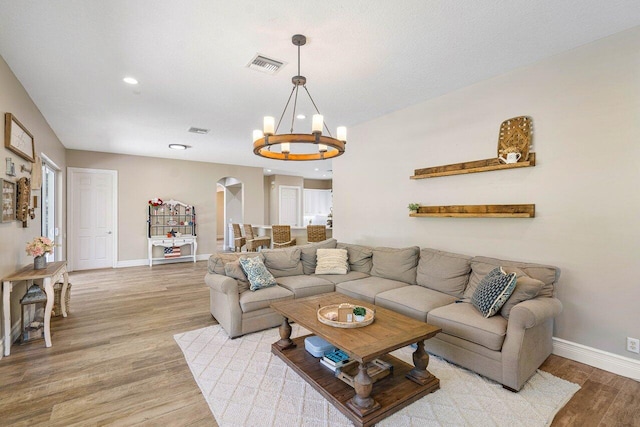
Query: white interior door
[290,206]
[92,223]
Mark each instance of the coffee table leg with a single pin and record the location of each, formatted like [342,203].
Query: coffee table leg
[419,374]
[362,403]
[285,336]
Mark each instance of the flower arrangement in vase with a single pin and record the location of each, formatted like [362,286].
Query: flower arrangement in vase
[37,248]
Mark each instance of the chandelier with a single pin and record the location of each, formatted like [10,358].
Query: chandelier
[327,146]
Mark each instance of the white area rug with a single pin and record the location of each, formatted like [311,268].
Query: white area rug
[245,385]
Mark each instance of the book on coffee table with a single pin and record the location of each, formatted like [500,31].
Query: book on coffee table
[334,368]
[336,358]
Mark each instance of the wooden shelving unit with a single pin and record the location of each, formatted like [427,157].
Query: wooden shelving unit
[477,211]
[472,167]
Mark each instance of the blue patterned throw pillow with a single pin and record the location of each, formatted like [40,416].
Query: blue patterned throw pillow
[493,291]
[258,275]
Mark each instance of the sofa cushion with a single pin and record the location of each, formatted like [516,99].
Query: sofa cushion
[262,298]
[218,260]
[480,266]
[283,261]
[308,253]
[339,278]
[257,274]
[443,271]
[493,291]
[234,270]
[413,301]
[332,261]
[462,320]
[367,289]
[305,286]
[359,257]
[396,263]
[526,288]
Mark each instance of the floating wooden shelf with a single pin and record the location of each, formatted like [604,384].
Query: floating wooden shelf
[472,167]
[477,211]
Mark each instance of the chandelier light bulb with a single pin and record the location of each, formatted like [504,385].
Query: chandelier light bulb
[285,147]
[257,134]
[317,123]
[322,148]
[341,133]
[268,125]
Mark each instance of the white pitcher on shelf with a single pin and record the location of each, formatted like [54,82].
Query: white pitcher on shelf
[511,158]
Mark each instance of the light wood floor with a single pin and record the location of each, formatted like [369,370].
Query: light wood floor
[114,360]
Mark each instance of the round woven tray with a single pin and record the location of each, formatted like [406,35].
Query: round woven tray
[323,311]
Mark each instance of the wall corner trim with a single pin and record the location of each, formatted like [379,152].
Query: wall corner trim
[614,363]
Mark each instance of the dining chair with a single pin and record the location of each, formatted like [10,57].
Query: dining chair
[238,240]
[253,241]
[282,236]
[316,233]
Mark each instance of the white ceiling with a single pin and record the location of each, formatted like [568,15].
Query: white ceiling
[363,59]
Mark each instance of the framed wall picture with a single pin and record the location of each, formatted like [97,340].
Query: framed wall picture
[18,139]
[8,200]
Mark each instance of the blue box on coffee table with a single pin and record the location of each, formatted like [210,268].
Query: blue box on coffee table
[317,346]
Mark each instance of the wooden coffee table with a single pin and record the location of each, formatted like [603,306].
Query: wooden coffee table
[369,403]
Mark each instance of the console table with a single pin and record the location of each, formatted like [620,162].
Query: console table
[50,275]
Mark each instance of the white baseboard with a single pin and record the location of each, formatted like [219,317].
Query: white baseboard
[615,363]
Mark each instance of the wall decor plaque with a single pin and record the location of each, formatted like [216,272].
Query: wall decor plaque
[18,139]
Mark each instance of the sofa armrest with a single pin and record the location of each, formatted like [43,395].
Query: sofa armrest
[533,312]
[220,283]
[529,339]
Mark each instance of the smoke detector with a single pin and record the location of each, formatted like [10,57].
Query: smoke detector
[265,65]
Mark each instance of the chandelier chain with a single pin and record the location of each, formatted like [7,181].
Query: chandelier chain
[285,109]
[317,111]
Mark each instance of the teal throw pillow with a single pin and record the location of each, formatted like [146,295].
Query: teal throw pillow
[258,275]
[493,291]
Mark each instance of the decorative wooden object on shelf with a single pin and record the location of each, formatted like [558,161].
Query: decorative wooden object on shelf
[472,167]
[477,211]
[515,135]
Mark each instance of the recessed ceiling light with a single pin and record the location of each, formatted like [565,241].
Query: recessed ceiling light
[178,146]
[316,169]
[130,80]
[301,117]
[268,170]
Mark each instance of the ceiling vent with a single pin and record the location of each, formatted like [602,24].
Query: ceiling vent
[200,131]
[265,65]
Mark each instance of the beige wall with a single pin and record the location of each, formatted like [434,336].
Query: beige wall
[14,99]
[585,106]
[318,184]
[143,178]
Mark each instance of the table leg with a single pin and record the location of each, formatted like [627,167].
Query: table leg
[195,249]
[285,335]
[6,315]
[63,294]
[419,374]
[48,289]
[362,403]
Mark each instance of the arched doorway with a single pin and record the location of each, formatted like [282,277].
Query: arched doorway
[232,197]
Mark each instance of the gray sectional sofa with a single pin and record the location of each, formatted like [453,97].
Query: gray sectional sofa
[425,284]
